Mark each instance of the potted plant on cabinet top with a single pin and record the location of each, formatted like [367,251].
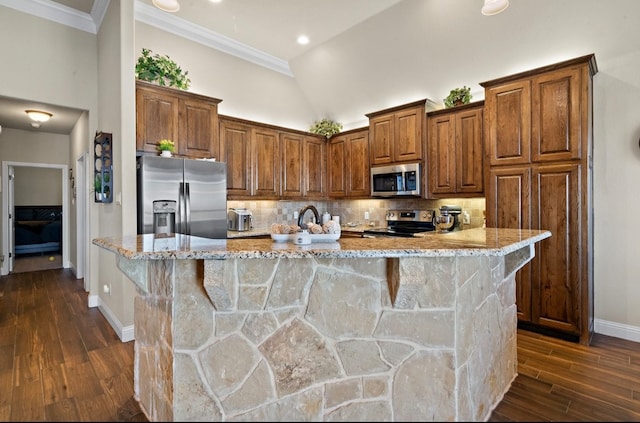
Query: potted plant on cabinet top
[161,70]
[166,147]
[458,97]
[326,127]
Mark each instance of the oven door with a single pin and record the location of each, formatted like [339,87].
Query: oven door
[387,184]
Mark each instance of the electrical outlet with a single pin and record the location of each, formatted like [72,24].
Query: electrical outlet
[107,289]
[466,219]
[295,214]
[366,215]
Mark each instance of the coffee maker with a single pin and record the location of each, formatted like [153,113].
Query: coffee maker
[449,219]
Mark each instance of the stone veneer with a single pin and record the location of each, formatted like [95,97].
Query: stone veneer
[331,339]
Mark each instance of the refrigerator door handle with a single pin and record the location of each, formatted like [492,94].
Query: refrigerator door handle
[187,207]
[180,217]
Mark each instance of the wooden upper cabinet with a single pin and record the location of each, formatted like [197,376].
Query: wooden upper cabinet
[536,119]
[556,116]
[336,160]
[455,151]
[397,134]
[382,130]
[265,163]
[189,120]
[156,117]
[291,154]
[508,137]
[235,146]
[252,154]
[315,167]
[198,129]
[348,157]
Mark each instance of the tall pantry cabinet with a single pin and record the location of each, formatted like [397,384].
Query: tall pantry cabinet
[538,134]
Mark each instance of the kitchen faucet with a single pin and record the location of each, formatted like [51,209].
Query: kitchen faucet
[303,211]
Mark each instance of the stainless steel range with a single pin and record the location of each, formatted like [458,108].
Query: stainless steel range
[405,223]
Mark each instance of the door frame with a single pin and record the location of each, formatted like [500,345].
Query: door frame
[6,207]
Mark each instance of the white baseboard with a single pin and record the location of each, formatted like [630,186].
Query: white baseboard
[125,333]
[618,330]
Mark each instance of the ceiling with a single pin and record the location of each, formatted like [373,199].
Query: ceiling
[266,29]
[389,52]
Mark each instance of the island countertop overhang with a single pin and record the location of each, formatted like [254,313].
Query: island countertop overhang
[470,242]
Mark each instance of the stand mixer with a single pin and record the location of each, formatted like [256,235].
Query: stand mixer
[449,221]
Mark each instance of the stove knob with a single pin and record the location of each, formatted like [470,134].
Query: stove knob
[390,214]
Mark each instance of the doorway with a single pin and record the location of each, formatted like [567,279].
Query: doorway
[9,220]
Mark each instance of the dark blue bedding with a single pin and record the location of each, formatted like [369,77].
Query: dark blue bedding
[38,229]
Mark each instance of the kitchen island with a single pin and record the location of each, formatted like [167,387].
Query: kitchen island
[411,329]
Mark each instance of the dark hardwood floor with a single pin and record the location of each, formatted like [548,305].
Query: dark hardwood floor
[61,361]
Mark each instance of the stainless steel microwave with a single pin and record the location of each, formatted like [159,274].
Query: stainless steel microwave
[396,180]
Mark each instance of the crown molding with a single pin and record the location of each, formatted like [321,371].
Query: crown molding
[182,28]
[56,12]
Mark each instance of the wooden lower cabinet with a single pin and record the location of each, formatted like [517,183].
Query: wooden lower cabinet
[549,289]
[508,206]
[556,270]
[348,168]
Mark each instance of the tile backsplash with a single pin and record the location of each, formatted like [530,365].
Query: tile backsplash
[266,212]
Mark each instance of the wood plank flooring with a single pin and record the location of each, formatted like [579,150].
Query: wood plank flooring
[563,381]
[61,361]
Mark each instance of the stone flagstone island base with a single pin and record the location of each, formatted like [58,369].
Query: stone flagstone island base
[325,338]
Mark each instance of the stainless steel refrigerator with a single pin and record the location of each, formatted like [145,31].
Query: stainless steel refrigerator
[199,188]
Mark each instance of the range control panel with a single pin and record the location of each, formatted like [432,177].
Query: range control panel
[411,215]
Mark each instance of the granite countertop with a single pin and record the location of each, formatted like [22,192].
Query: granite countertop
[470,242]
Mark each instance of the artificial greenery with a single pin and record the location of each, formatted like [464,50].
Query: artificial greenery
[458,96]
[326,127]
[161,70]
[166,145]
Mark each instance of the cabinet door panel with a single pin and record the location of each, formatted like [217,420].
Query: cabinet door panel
[408,137]
[198,129]
[381,132]
[314,165]
[358,169]
[235,149]
[508,123]
[441,159]
[469,163]
[337,161]
[508,206]
[291,156]
[557,264]
[556,116]
[265,163]
[156,119]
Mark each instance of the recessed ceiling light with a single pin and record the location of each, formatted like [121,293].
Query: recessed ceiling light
[38,115]
[167,5]
[493,7]
[303,39]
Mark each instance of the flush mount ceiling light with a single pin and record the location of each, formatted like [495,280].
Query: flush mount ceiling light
[167,5]
[493,7]
[38,115]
